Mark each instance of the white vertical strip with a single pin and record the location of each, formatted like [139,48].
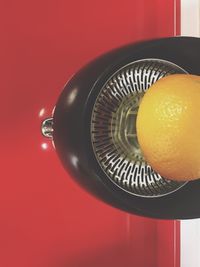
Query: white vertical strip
[190,22]
[190,243]
[190,229]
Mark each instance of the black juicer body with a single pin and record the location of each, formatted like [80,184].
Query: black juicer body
[72,119]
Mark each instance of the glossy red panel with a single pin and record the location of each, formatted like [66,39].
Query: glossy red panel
[46,219]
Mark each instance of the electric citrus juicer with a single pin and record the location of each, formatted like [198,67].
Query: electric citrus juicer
[93,128]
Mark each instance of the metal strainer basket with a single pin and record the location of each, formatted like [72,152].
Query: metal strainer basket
[113,128]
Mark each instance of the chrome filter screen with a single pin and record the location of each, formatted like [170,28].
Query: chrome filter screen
[113,128]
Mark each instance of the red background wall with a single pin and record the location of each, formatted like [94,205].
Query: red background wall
[46,220]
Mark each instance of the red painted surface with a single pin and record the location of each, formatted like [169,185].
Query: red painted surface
[46,220]
[178,17]
[168,243]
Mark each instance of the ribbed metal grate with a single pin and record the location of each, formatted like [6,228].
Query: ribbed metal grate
[113,131]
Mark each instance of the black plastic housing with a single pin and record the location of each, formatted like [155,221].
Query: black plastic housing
[72,118]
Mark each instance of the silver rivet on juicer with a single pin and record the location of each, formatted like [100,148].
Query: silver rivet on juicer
[47,127]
